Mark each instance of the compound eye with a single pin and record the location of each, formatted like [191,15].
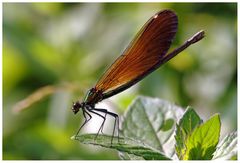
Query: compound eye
[76,106]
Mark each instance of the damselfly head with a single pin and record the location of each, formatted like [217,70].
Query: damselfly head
[76,107]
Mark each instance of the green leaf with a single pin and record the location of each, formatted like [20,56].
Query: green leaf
[227,148]
[126,145]
[202,143]
[185,127]
[126,156]
[152,121]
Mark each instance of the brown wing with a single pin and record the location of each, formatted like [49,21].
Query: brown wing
[144,52]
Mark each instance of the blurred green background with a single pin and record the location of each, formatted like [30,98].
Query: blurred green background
[67,46]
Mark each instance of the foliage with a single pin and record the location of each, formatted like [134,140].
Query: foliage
[126,145]
[52,53]
[148,125]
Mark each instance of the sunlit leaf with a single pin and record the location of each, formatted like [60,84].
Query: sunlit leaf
[152,121]
[227,148]
[185,127]
[202,143]
[126,156]
[123,145]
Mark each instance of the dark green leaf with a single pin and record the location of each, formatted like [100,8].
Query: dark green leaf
[202,143]
[185,127]
[227,148]
[152,121]
[123,145]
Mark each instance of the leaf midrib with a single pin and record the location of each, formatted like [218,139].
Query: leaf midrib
[152,128]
